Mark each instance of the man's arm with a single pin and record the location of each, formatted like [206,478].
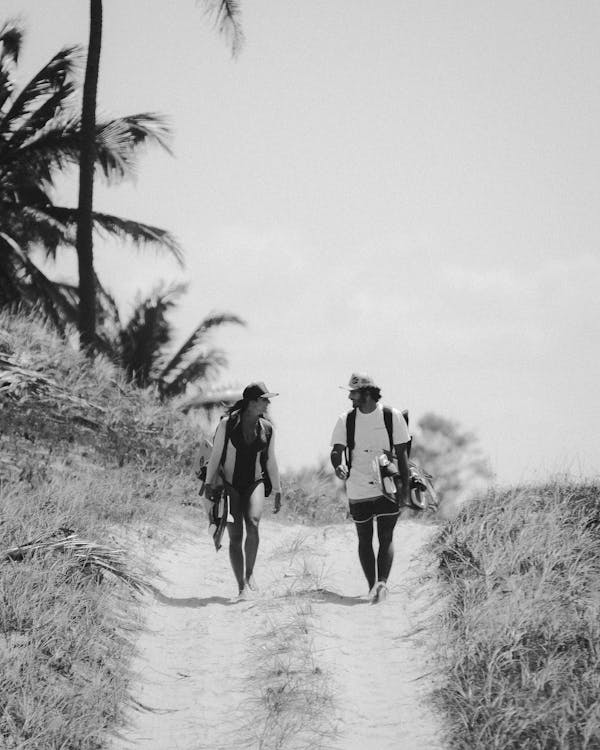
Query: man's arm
[336,456]
[403,471]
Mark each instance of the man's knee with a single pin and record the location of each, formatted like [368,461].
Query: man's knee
[385,535]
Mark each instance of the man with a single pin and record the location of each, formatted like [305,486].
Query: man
[360,440]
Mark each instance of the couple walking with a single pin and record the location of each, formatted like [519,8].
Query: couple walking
[365,442]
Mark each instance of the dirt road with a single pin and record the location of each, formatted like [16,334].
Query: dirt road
[307,663]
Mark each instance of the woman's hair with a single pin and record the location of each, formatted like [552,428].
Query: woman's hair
[240,406]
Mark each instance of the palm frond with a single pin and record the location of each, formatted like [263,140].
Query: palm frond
[89,555]
[147,332]
[51,77]
[126,230]
[11,39]
[198,369]
[139,234]
[196,338]
[47,117]
[118,142]
[227,17]
[35,288]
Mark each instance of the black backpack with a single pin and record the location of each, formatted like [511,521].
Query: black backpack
[351,428]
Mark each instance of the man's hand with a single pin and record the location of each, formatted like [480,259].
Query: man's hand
[341,471]
[277,502]
[402,492]
[336,457]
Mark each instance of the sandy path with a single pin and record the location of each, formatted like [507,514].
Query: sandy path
[212,669]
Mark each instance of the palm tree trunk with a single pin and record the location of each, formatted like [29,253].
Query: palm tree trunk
[87,157]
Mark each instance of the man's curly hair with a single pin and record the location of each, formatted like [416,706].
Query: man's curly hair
[372,391]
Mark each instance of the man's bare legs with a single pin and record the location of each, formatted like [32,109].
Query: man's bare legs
[365,550]
[385,556]
[376,570]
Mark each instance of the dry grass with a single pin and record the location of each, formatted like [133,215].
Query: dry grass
[520,644]
[313,496]
[83,459]
[292,697]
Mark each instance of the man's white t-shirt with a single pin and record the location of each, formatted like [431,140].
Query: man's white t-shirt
[370,439]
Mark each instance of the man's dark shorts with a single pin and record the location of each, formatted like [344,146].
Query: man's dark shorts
[380,506]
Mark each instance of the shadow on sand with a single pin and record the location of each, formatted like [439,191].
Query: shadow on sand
[331,597]
[193,602]
[315,595]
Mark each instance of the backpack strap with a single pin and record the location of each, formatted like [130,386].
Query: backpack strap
[387,420]
[409,444]
[350,429]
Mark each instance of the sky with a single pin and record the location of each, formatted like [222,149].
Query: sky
[409,189]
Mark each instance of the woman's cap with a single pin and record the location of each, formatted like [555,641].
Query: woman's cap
[257,390]
[359,380]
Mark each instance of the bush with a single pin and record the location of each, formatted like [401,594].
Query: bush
[313,496]
[81,452]
[520,646]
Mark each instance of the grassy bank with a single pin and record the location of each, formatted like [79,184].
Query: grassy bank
[82,457]
[520,641]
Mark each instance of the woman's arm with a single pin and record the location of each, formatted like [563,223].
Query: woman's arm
[272,467]
[214,461]
[273,472]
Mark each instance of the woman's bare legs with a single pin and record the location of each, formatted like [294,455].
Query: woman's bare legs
[246,513]
[252,518]
[236,535]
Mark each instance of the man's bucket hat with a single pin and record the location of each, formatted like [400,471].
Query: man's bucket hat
[359,380]
[257,390]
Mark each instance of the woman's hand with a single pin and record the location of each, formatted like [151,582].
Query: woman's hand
[277,502]
[211,493]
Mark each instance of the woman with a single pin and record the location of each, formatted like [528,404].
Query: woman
[243,460]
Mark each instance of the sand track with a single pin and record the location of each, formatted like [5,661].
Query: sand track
[307,663]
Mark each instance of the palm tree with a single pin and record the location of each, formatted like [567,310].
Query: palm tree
[39,138]
[226,14]
[142,345]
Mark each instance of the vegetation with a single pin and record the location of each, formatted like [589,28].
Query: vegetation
[313,496]
[520,640]
[84,459]
[39,140]
[452,456]
[226,13]
[142,345]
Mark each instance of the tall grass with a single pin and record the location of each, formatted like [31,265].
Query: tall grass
[313,496]
[84,457]
[290,691]
[520,643]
